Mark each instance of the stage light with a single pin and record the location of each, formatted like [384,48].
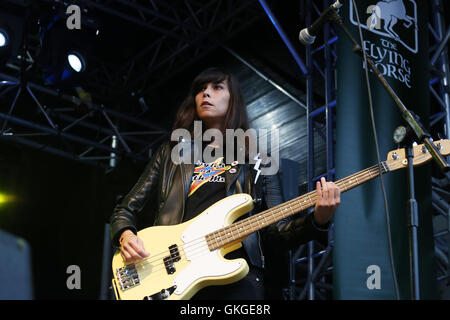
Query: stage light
[3,38]
[3,198]
[11,36]
[76,61]
[66,69]
[6,199]
[65,55]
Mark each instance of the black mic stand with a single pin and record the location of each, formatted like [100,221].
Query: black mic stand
[406,140]
[413,225]
[424,137]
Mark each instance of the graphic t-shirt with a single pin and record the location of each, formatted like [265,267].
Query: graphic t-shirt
[207,187]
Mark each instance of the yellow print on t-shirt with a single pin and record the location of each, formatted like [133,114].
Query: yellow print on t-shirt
[208,172]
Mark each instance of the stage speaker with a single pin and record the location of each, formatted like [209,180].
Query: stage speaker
[15,268]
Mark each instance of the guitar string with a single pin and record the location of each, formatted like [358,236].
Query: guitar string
[291,203]
[364,173]
[154,269]
[202,248]
[242,224]
[345,184]
[257,223]
[195,253]
[295,205]
[152,272]
[276,210]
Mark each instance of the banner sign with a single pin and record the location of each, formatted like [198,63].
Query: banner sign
[396,39]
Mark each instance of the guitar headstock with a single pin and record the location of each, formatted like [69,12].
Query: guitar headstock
[397,159]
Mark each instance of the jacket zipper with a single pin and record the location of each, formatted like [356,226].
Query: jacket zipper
[184,186]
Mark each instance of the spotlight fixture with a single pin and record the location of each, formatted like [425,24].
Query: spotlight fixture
[11,36]
[65,55]
[3,38]
[67,69]
[76,61]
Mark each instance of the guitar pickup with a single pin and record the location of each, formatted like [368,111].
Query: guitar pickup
[168,263]
[170,260]
[174,253]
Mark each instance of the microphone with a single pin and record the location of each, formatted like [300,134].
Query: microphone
[308,35]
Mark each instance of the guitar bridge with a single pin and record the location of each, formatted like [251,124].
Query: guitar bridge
[128,277]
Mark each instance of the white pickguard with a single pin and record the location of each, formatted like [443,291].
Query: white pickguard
[205,263]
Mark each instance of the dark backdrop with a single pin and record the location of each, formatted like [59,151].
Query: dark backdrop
[60,209]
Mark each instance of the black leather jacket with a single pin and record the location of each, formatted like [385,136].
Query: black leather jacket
[167,185]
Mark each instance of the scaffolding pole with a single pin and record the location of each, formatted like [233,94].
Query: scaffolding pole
[440,121]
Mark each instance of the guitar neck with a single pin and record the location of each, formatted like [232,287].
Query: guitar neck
[238,231]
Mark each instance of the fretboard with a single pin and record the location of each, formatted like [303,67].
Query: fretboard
[238,231]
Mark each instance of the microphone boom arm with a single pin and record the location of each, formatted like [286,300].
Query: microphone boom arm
[421,134]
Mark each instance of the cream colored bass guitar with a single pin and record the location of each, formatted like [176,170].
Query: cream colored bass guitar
[187,257]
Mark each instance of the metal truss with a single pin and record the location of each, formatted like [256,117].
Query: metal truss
[440,123]
[80,131]
[314,258]
[180,33]
[82,127]
[315,283]
[318,284]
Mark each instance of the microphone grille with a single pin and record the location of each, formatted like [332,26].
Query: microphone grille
[305,38]
[337,4]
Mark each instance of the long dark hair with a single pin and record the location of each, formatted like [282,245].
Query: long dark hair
[236,117]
